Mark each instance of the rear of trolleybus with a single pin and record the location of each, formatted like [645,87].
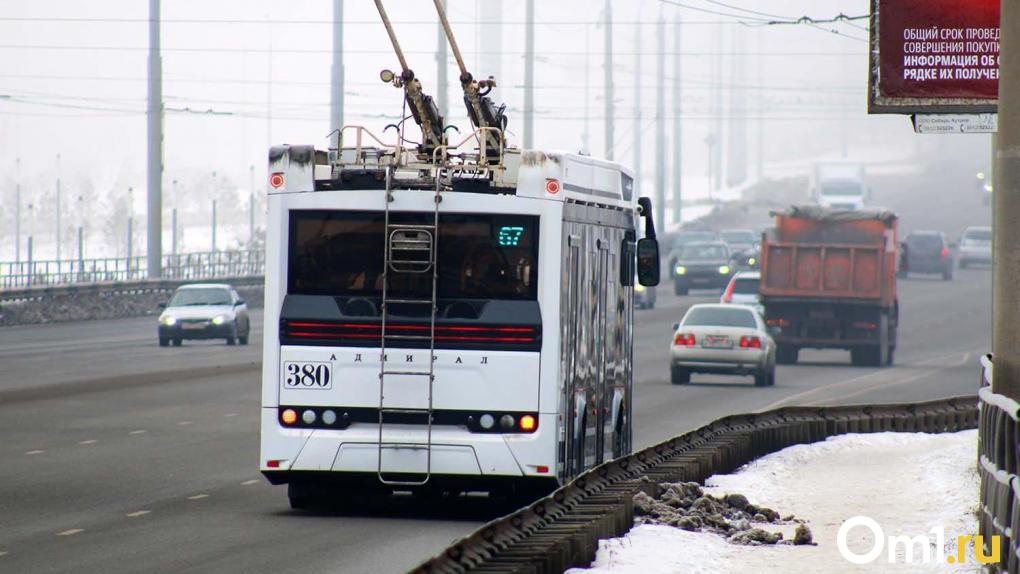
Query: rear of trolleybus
[487,284]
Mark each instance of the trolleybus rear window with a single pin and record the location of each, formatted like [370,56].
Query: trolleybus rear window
[480,256]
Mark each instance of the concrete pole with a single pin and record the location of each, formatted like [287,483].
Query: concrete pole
[677,122]
[1006,211]
[660,125]
[214,226]
[717,121]
[81,250]
[442,100]
[251,208]
[173,222]
[336,83]
[529,74]
[610,112]
[58,209]
[736,138]
[637,105]
[28,274]
[154,194]
[17,211]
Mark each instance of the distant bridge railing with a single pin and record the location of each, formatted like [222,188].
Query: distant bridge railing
[182,266]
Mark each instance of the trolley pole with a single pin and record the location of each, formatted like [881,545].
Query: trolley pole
[336,84]
[660,125]
[677,124]
[529,74]
[154,203]
[609,111]
[637,105]
[1006,212]
[441,76]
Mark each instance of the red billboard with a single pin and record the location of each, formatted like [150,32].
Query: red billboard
[931,56]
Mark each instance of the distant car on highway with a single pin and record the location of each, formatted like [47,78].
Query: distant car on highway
[685,237]
[644,297]
[722,339]
[927,252]
[740,240]
[204,311]
[743,289]
[704,265]
[975,246]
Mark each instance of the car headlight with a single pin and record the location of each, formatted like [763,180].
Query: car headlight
[168,321]
[681,270]
[639,288]
[219,320]
[751,260]
[724,269]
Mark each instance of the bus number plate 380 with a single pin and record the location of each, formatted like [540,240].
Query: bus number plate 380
[307,375]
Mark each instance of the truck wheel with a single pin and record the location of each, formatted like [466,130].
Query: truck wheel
[761,379]
[679,375]
[787,355]
[164,342]
[866,356]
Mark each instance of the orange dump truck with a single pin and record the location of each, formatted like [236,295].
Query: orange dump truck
[828,281]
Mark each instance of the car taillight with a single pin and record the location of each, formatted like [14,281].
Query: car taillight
[866,325]
[684,340]
[750,342]
[778,322]
[945,252]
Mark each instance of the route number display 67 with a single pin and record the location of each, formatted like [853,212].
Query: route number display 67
[307,375]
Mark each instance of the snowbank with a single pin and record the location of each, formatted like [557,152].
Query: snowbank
[907,482]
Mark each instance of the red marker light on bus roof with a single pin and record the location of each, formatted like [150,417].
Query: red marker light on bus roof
[552,186]
[276,180]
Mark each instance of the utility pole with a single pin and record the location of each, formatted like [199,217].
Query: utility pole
[736,140]
[678,147]
[1006,211]
[441,76]
[58,209]
[660,126]
[214,226]
[173,222]
[154,195]
[336,83]
[251,208]
[81,235]
[529,74]
[637,105]
[717,121]
[608,65]
[130,226]
[17,210]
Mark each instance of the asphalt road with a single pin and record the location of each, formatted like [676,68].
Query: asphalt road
[121,456]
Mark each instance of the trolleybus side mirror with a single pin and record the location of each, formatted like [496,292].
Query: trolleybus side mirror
[648,261]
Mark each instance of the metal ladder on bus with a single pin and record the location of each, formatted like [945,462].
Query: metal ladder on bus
[410,249]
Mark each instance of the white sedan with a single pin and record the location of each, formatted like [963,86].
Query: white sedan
[726,339]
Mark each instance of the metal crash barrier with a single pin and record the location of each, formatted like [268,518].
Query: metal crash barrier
[562,530]
[1000,488]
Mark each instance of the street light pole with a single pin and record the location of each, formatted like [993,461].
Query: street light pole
[1006,211]
[17,211]
[58,209]
[251,208]
[154,150]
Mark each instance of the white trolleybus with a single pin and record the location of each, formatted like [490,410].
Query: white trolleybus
[446,320]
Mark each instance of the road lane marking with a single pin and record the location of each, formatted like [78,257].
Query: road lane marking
[139,431]
[900,382]
[71,532]
[880,371]
[198,496]
[3,553]
[31,452]
[184,423]
[137,513]
[249,482]
[90,441]
[230,415]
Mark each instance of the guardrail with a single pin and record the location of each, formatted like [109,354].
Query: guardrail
[185,266]
[114,288]
[562,530]
[1000,485]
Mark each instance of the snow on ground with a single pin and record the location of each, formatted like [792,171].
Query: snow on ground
[907,482]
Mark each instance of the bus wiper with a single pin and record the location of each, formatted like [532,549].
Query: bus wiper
[484,115]
[423,108]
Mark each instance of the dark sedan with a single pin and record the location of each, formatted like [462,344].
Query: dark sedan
[702,266]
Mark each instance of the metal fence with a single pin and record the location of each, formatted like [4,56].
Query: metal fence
[1000,486]
[185,266]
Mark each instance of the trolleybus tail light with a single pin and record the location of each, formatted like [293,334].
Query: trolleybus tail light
[552,186]
[684,340]
[750,342]
[528,424]
[276,180]
[512,336]
[288,416]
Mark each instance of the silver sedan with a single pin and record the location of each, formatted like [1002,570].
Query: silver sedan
[722,339]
